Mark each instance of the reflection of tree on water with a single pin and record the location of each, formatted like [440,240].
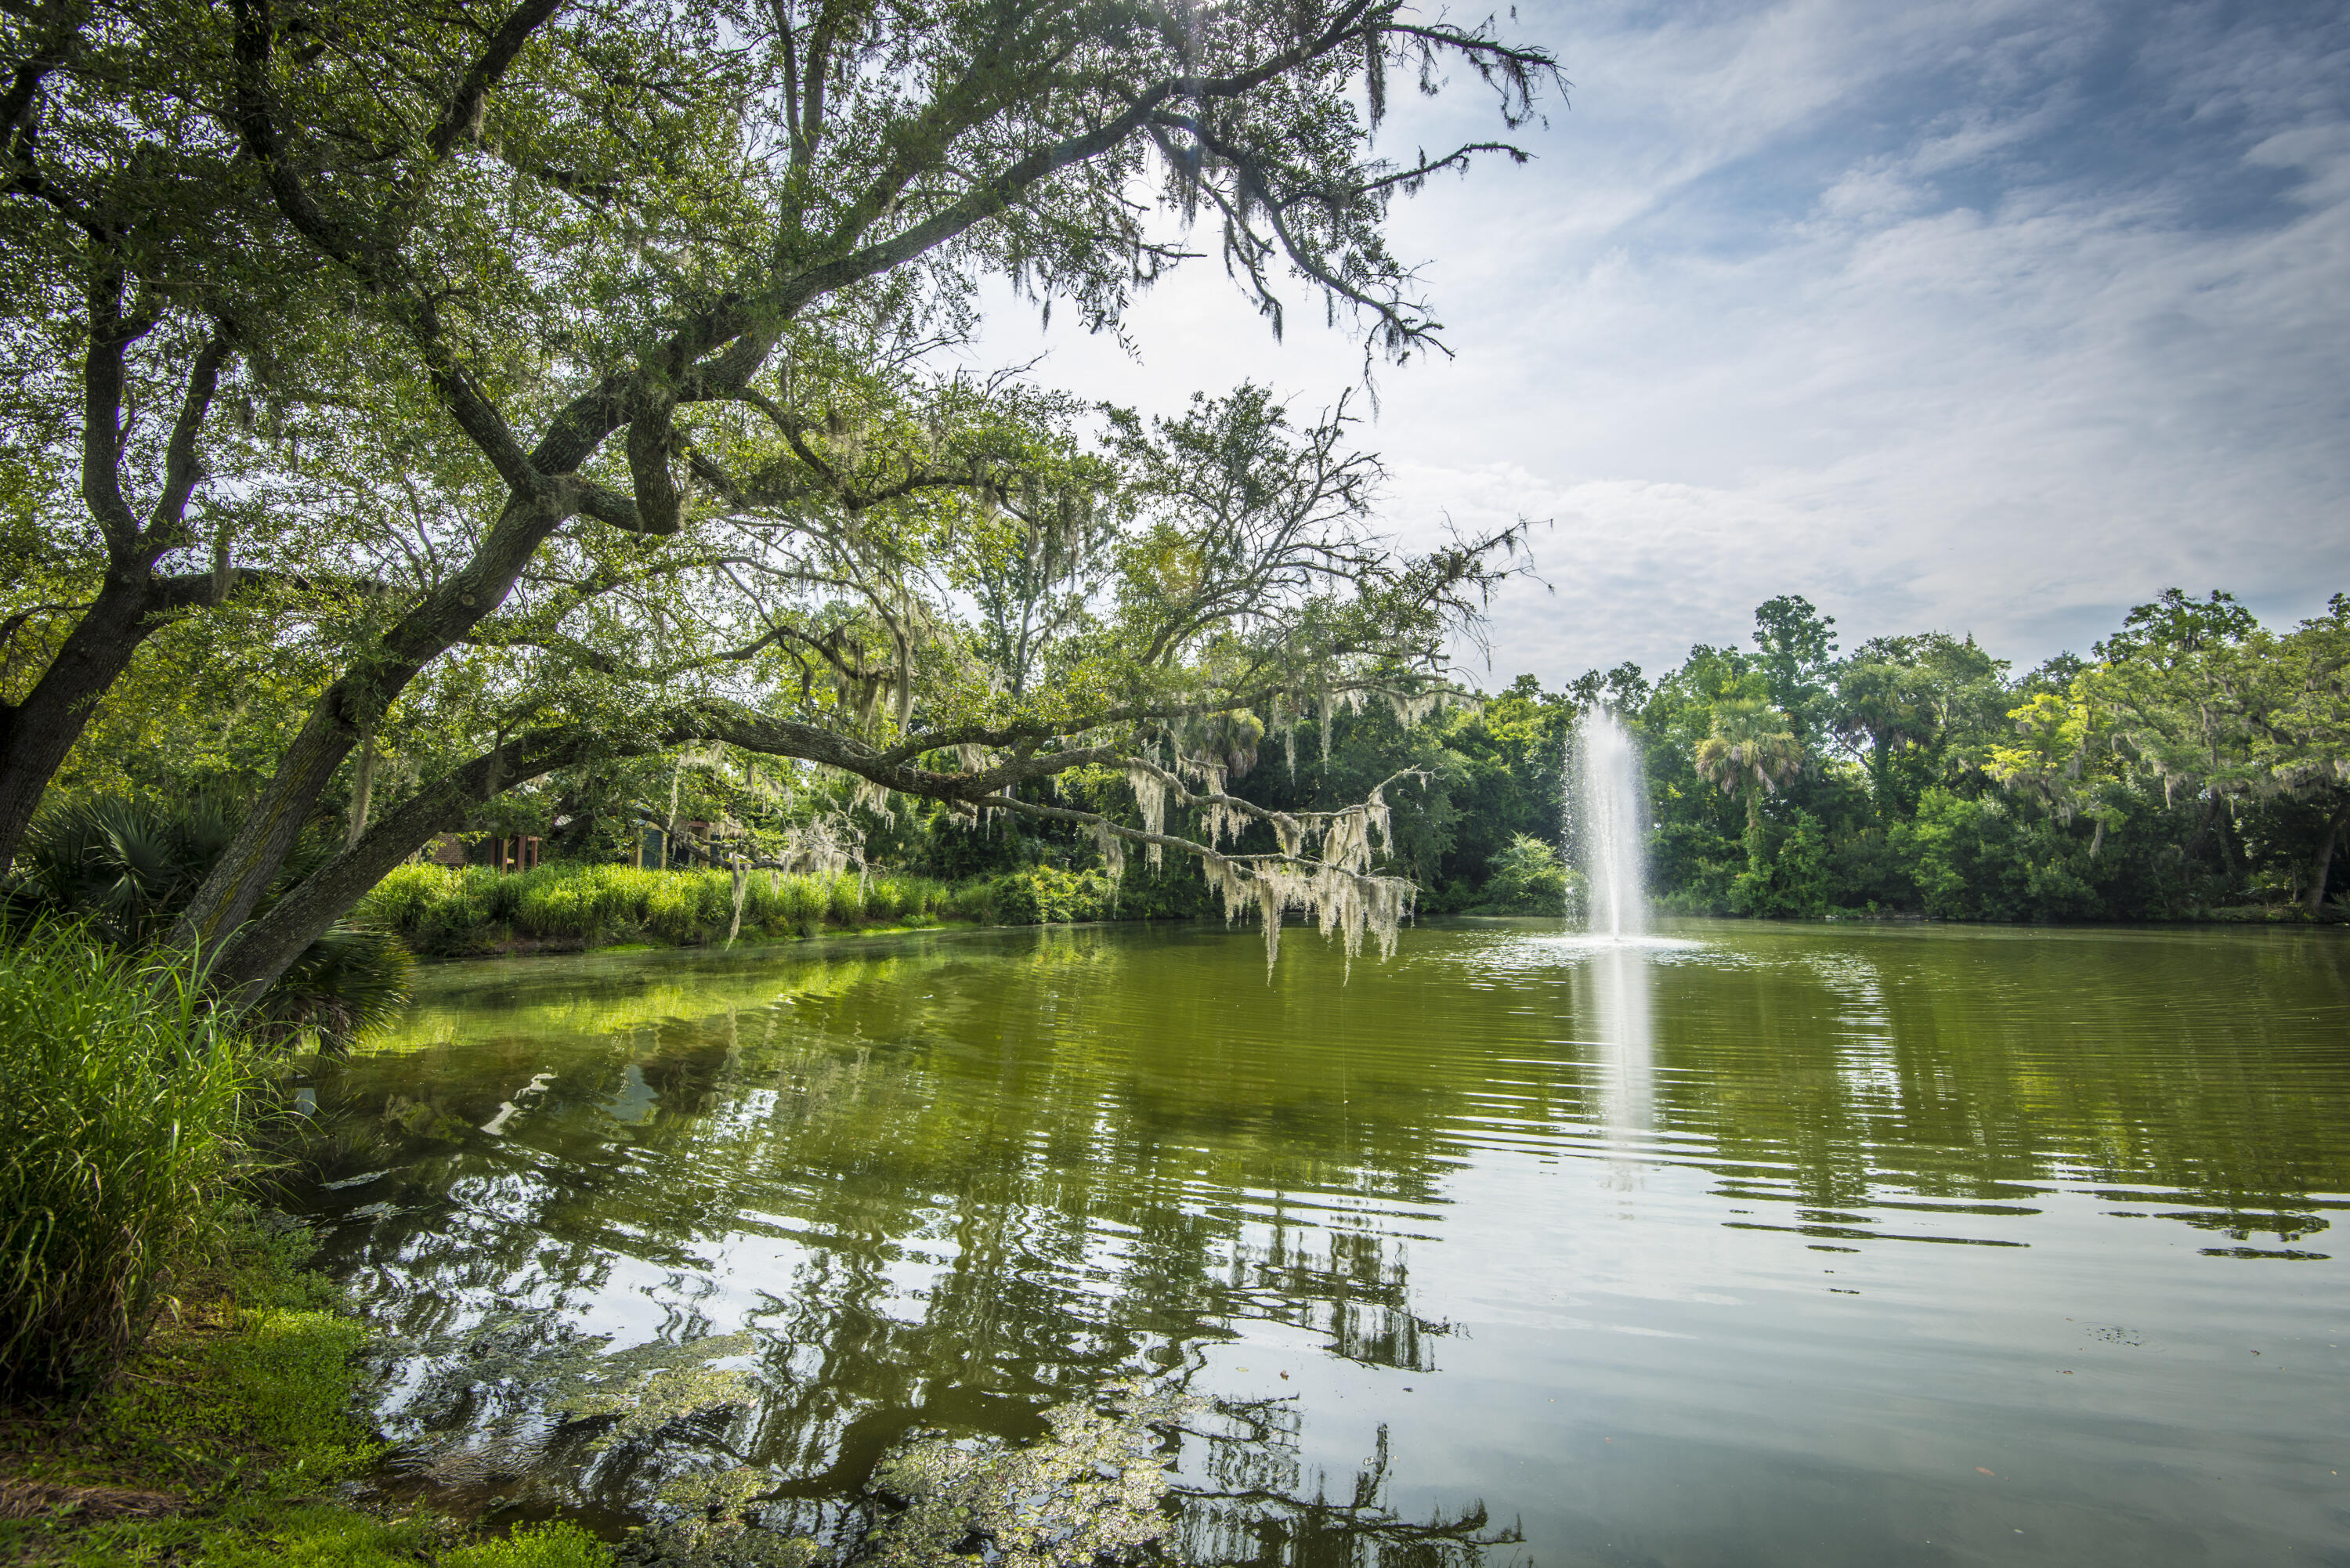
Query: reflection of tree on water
[1980,1085]
[1355,1290]
[1252,1508]
[923,1222]
[952,1195]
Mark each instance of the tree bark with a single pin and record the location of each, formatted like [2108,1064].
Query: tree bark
[252,960]
[37,735]
[356,701]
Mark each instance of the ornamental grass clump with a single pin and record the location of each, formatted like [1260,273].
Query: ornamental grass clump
[799,903]
[122,1116]
[593,903]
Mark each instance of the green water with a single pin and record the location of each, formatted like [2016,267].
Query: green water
[1807,1246]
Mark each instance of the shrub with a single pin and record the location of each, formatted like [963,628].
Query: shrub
[124,866]
[673,910]
[904,898]
[1983,861]
[1528,879]
[804,904]
[121,1113]
[716,900]
[500,892]
[762,904]
[406,898]
[121,870]
[440,909]
[1790,880]
[1045,895]
[576,903]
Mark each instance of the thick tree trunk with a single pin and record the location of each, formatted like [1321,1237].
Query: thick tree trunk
[257,852]
[37,735]
[251,961]
[2322,864]
[353,702]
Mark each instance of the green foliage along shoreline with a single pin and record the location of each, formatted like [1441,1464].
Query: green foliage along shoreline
[448,911]
[2197,767]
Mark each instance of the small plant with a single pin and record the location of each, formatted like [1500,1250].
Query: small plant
[555,1544]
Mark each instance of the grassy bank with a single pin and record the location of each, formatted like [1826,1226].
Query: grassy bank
[445,910]
[174,1388]
[222,1440]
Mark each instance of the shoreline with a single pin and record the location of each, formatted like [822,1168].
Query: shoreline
[237,1433]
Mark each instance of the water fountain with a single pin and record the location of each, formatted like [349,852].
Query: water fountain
[1604,825]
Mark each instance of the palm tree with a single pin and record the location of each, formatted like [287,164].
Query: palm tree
[125,868]
[1752,748]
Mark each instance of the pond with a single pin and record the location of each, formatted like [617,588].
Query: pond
[1750,1244]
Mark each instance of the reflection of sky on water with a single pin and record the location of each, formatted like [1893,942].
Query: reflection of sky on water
[1785,1212]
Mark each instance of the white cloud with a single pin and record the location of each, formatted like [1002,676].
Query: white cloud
[1984,317]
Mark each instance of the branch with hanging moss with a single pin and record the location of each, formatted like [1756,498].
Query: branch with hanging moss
[1338,888]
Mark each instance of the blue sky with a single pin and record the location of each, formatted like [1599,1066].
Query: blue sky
[1983,317]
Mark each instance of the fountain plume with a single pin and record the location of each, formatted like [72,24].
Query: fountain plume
[1604,825]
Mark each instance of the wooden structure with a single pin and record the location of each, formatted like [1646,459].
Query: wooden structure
[516,853]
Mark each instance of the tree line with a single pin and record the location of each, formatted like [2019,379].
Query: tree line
[2196,763]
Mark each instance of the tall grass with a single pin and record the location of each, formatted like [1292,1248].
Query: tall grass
[123,1113]
[445,910]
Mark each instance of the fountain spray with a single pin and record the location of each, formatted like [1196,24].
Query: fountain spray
[1604,800]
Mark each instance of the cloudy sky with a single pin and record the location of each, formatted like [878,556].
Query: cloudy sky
[1979,315]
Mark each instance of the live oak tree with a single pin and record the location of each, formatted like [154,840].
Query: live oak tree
[1167,622]
[2208,702]
[577,300]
